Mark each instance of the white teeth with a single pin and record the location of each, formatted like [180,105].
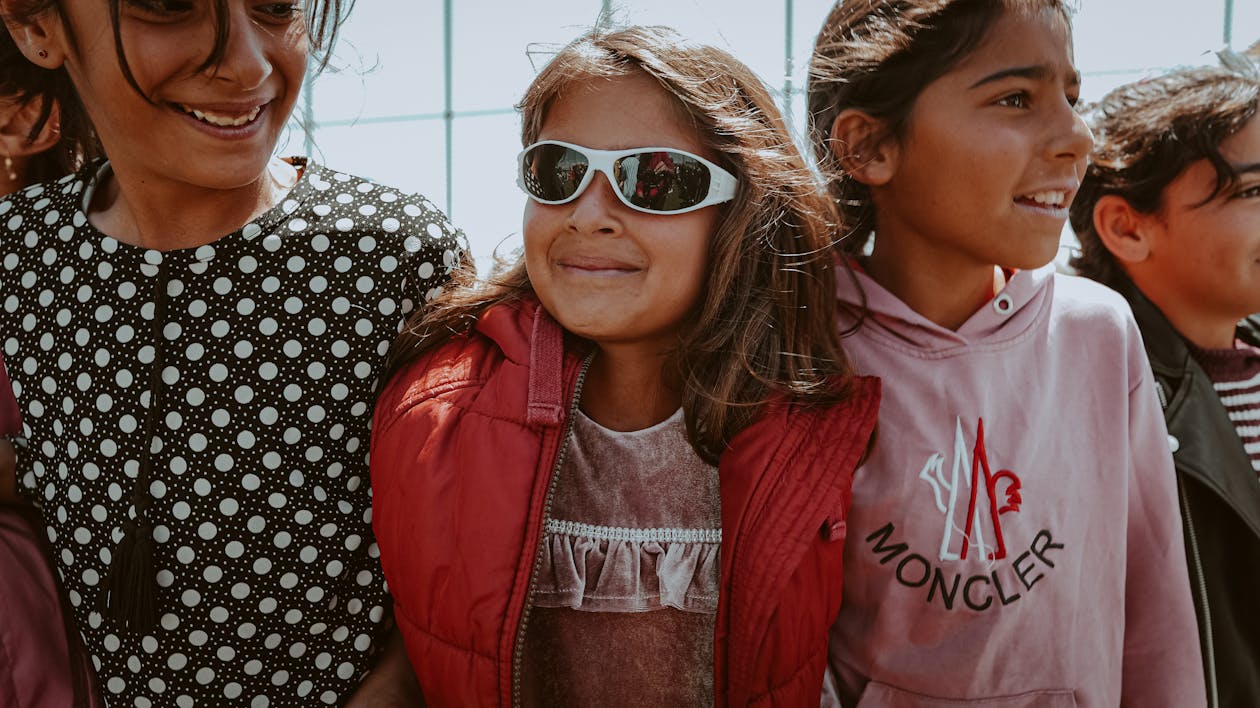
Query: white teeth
[223,121]
[1054,198]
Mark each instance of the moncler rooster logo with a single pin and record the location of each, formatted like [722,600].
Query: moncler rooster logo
[990,497]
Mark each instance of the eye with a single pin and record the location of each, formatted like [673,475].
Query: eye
[1249,192]
[164,9]
[280,10]
[1018,99]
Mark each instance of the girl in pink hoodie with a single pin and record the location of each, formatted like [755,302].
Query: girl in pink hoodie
[1014,539]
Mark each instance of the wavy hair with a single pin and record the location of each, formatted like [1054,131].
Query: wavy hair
[765,322]
[1146,134]
[878,56]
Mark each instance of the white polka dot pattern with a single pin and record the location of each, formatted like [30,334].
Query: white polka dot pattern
[269,584]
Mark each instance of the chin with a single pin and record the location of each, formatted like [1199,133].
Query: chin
[236,174]
[1033,258]
[582,326]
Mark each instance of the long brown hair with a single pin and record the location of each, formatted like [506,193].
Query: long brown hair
[765,322]
[878,56]
[1146,134]
[25,81]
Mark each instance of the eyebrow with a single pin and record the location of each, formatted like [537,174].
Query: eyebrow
[1247,168]
[1036,72]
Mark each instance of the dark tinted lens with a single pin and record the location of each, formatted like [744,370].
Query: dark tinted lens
[552,172]
[663,180]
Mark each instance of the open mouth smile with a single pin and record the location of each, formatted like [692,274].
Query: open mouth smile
[222,119]
[1054,199]
[1051,201]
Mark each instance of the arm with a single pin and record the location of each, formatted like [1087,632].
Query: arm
[10,424]
[8,473]
[391,683]
[1162,664]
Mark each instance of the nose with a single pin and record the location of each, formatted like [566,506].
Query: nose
[1071,138]
[597,209]
[245,53]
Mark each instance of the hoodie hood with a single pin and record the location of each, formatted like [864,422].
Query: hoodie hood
[1003,321]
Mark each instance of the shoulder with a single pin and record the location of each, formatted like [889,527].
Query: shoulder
[493,353]
[1082,299]
[1085,308]
[46,203]
[403,221]
[1098,323]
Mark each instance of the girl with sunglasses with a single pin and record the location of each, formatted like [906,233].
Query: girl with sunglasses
[194,328]
[618,473]
[1015,542]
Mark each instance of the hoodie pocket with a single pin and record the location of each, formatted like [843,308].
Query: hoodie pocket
[881,695]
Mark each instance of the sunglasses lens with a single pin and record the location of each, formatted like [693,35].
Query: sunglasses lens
[663,180]
[659,181]
[552,172]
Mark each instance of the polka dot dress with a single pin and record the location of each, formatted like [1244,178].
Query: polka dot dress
[262,362]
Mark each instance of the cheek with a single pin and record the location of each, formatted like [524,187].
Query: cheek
[161,54]
[537,230]
[292,60]
[686,250]
[935,163]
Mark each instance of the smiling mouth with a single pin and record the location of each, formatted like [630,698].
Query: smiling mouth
[222,120]
[605,271]
[597,267]
[1049,199]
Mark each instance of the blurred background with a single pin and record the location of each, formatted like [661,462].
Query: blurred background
[420,93]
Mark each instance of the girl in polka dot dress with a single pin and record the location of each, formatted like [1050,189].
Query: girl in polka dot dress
[42,664]
[624,481]
[194,329]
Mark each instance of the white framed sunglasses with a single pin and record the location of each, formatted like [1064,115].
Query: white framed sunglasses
[654,180]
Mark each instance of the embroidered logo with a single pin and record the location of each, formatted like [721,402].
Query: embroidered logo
[980,510]
[976,504]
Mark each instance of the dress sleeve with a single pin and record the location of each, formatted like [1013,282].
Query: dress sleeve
[1162,664]
[10,415]
[434,249]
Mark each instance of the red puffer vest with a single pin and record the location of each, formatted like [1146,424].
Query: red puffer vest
[464,446]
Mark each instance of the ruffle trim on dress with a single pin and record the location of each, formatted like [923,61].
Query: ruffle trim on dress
[612,569]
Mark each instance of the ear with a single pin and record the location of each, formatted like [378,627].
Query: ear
[15,130]
[40,39]
[864,146]
[1123,230]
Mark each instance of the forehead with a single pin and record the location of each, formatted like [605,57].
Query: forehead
[1242,149]
[610,113]
[1023,37]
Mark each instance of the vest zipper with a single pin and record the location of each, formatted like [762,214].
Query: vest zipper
[518,649]
[1197,563]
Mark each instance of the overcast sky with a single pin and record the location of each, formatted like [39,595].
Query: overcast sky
[378,112]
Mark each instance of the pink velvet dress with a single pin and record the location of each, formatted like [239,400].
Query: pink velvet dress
[624,606]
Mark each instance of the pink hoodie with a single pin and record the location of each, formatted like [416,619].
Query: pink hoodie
[1015,537]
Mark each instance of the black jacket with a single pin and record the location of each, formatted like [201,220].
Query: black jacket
[1220,507]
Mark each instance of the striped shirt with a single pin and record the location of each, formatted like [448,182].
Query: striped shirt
[1235,374]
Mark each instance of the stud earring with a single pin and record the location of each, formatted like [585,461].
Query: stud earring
[43,54]
[8,168]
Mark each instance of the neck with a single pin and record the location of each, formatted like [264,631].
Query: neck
[943,286]
[17,166]
[626,388]
[166,216]
[1206,330]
